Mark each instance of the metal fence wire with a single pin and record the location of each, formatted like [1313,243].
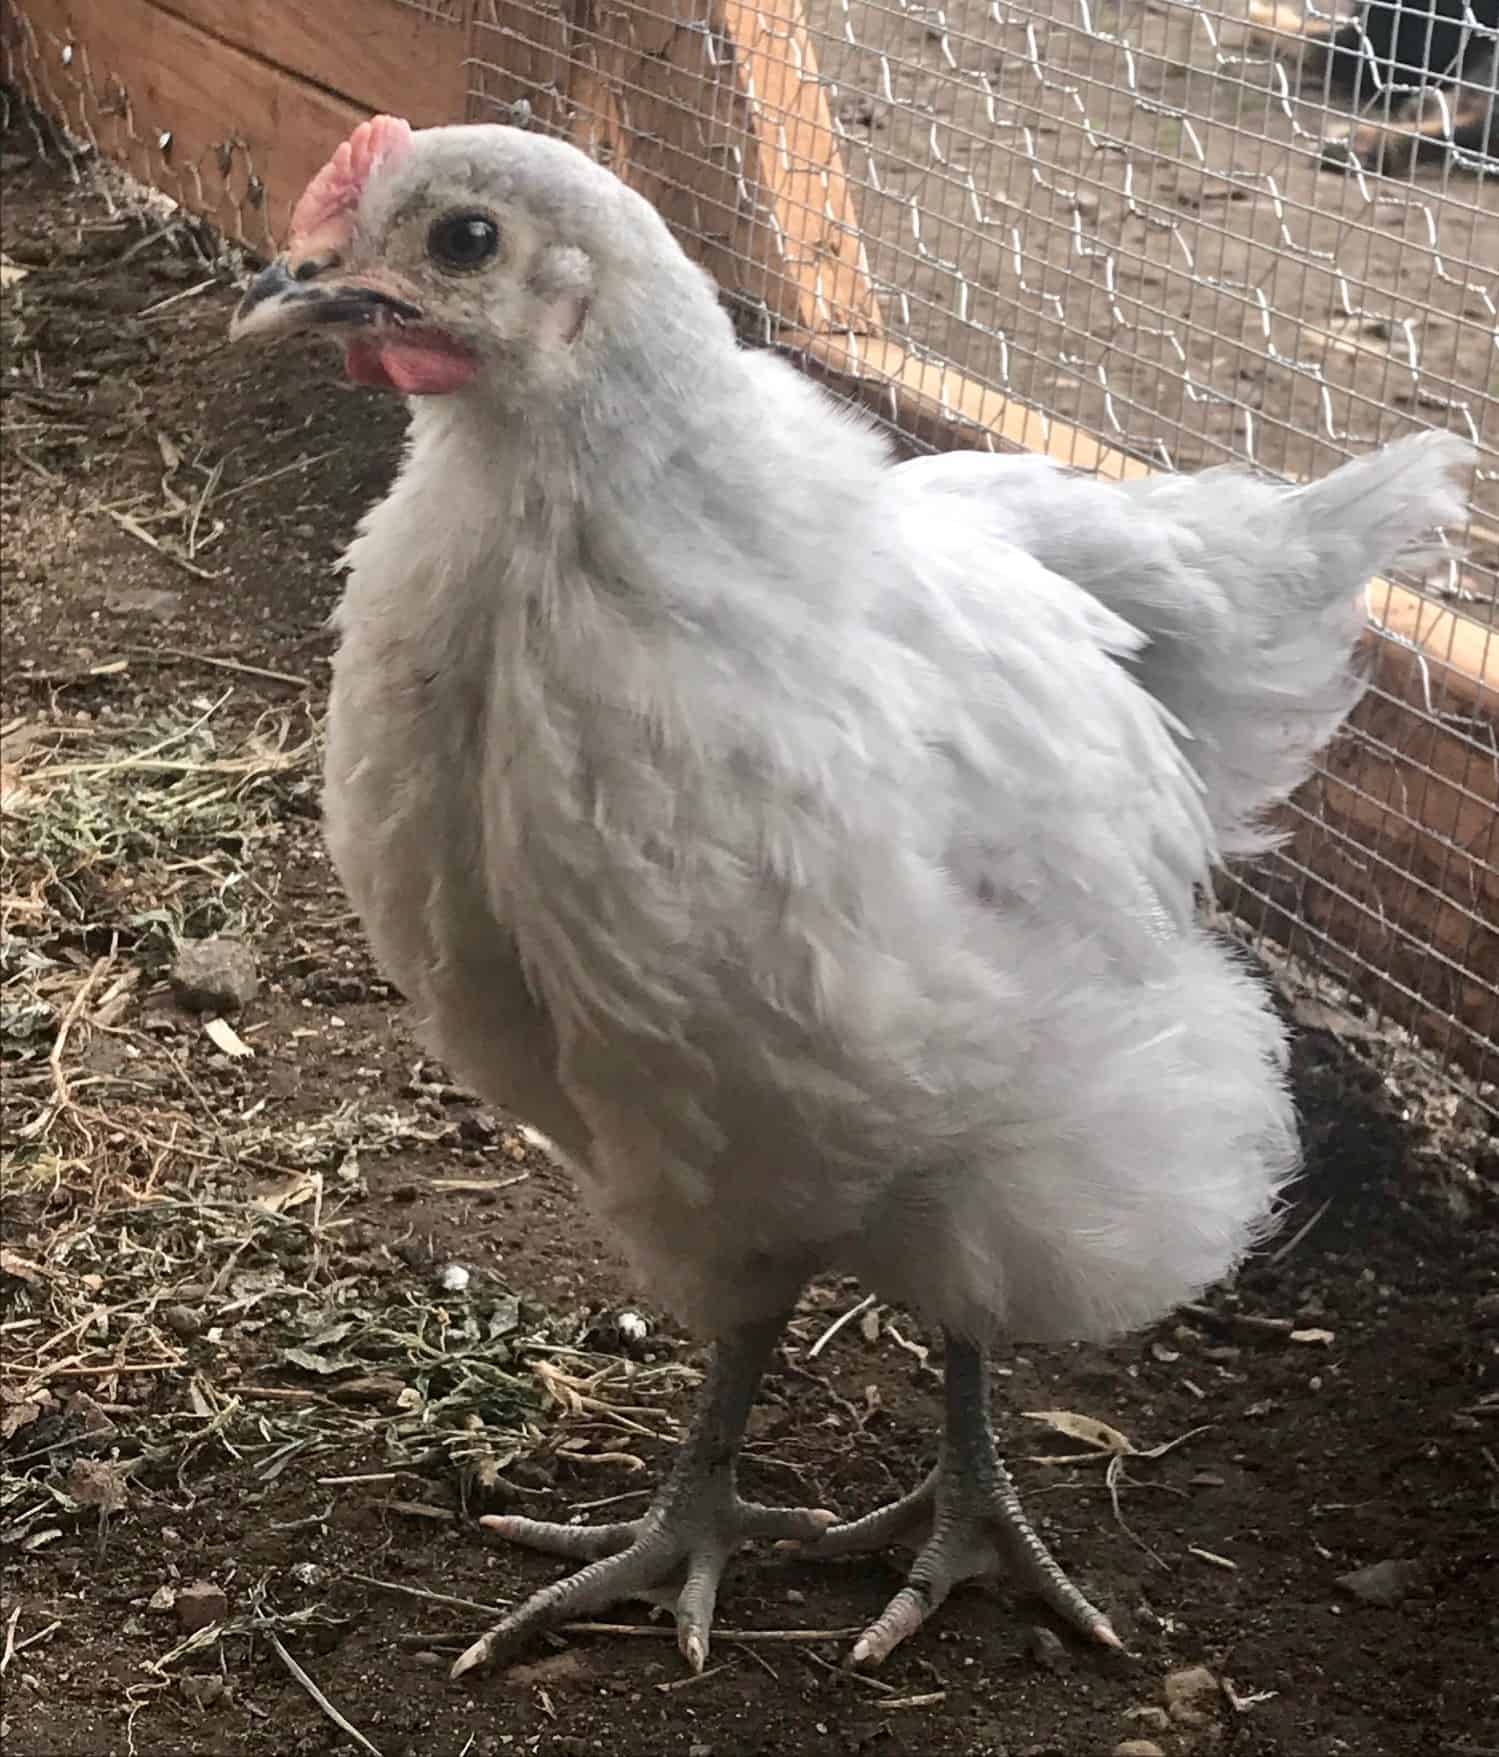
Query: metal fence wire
[1133,233]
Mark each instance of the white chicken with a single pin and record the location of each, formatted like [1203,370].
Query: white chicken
[807,844]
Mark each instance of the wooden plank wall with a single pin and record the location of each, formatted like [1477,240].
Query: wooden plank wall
[713,110]
[230,106]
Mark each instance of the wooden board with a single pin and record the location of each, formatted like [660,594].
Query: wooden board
[379,54]
[1401,841]
[817,240]
[233,139]
[714,112]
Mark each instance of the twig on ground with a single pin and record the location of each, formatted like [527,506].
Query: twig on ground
[1284,1251]
[346,1727]
[137,530]
[62,1097]
[840,1324]
[462,1604]
[10,1640]
[159,654]
[1243,1323]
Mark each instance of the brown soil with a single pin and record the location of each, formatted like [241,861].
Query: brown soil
[1370,1438]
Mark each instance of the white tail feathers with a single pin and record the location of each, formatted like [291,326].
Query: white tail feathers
[1250,591]
[1265,680]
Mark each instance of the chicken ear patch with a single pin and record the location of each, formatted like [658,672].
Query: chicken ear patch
[563,280]
[334,193]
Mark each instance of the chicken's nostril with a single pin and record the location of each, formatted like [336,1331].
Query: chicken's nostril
[310,267]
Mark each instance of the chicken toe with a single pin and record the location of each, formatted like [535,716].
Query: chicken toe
[966,1520]
[695,1524]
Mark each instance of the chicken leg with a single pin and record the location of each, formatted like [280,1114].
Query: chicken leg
[971,1519]
[690,1530]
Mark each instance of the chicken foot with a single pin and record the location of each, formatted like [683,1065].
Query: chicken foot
[691,1529]
[971,1519]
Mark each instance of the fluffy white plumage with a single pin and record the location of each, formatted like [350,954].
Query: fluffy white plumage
[808,844]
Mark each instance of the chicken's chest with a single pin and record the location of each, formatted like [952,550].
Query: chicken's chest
[427,770]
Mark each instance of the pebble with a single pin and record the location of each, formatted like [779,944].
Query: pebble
[204,1691]
[161,1601]
[182,1321]
[1382,1583]
[93,1482]
[1047,1649]
[1138,1748]
[82,1410]
[199,1605]
[1150,1716]
[216,975]
[1192,1695]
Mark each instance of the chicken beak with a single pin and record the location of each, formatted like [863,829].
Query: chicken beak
[287,297]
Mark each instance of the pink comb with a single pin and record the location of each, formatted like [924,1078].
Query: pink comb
[336,189]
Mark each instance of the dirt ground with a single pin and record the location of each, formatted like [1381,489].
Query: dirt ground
[276,1325]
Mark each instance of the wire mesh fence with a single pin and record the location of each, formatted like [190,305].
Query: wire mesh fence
[1133,233]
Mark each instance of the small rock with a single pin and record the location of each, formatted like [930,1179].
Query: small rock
[83,1412]
[699,1750]
[307,1574]
[94,1482]
[203,1690]
[1382,1583]
[1138,1748]
[161,1601]
[453,1278]
[199,1605]
[215,975]
[1192,1695]
[146,600]
[1047,1649]
[182,1321]
[554,1668]
[1149,1715]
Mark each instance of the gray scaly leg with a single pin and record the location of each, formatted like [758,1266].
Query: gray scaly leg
[972,1513]
[691,1529]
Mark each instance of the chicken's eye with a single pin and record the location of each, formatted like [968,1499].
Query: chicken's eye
[463,240]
